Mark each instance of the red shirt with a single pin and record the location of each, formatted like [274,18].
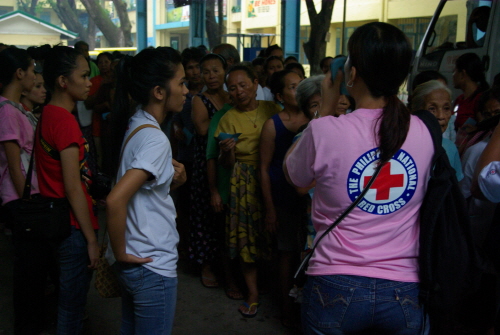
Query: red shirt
[466,108]
[60,130]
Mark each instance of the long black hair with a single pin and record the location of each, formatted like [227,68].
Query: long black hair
[60,61]
[381,54]
[211,56]
[12,59]
[277,82]
[136,77]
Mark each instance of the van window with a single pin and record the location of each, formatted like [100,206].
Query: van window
[461,25]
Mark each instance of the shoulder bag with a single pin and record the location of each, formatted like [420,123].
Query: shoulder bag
[39,217]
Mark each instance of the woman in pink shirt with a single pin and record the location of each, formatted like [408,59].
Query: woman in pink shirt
[363,276]
[17,74]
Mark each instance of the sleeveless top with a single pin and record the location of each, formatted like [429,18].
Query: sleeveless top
[283,193]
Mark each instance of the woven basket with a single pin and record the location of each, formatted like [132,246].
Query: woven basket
[106,280]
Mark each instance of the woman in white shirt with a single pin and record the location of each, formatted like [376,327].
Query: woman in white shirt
[140,210]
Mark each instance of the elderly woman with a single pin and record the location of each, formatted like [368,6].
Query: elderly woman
[245,234]
[308,95]
[435,97]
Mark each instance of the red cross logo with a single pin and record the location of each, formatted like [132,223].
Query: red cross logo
[385,181]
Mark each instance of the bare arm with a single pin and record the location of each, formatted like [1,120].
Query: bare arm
[267,145]
[76,196]
[285,169]
[13,153]
[305,190]
[200,117]
[491,153]
[215,198]
[116,213]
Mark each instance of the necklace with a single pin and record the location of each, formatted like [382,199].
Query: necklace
[254,121]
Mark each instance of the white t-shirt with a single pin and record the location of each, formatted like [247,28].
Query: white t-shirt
[151,230]
[266,94]
[481,212]
[489,181]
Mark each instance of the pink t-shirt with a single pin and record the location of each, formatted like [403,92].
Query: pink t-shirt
[379,238]
[14,126]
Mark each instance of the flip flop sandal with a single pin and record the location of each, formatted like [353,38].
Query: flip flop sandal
[249,307]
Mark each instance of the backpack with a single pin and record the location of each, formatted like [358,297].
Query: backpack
[451,269]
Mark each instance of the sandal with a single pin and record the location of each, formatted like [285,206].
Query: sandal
[249,307]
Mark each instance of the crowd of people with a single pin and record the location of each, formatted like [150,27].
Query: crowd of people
[236,168]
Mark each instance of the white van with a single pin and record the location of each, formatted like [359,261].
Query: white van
[457,28]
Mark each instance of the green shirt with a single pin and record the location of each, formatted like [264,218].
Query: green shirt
[223,174]
[94,70]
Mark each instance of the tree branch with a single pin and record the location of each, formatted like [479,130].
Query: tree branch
[102,20]
[68,16]
[315,47]
[311,10]
[327,10]
[125,25]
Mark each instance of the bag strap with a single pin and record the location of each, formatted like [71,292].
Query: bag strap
[31,118]
[339,219]
[53,153]
[29,173]
[136,130]
[434,128]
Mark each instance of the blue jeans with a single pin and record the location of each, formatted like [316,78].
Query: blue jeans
[148,300]
[341,304]
[74,282]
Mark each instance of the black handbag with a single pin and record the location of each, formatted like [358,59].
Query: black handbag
[39,217]
[101,186]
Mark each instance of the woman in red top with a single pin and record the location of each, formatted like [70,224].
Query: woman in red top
[469,78]
[66,74]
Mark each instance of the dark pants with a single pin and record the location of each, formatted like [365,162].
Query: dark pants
[34,259]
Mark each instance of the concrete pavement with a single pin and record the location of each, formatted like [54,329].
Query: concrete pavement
[200,311]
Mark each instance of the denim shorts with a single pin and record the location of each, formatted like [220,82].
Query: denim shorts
[148,300]
[352,304]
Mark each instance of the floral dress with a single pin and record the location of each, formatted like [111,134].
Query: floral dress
[205,234]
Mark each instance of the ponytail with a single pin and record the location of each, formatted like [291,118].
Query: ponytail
[381,54]
[136,77]
[394,126]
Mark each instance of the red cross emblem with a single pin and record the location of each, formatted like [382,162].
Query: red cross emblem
[385,181]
